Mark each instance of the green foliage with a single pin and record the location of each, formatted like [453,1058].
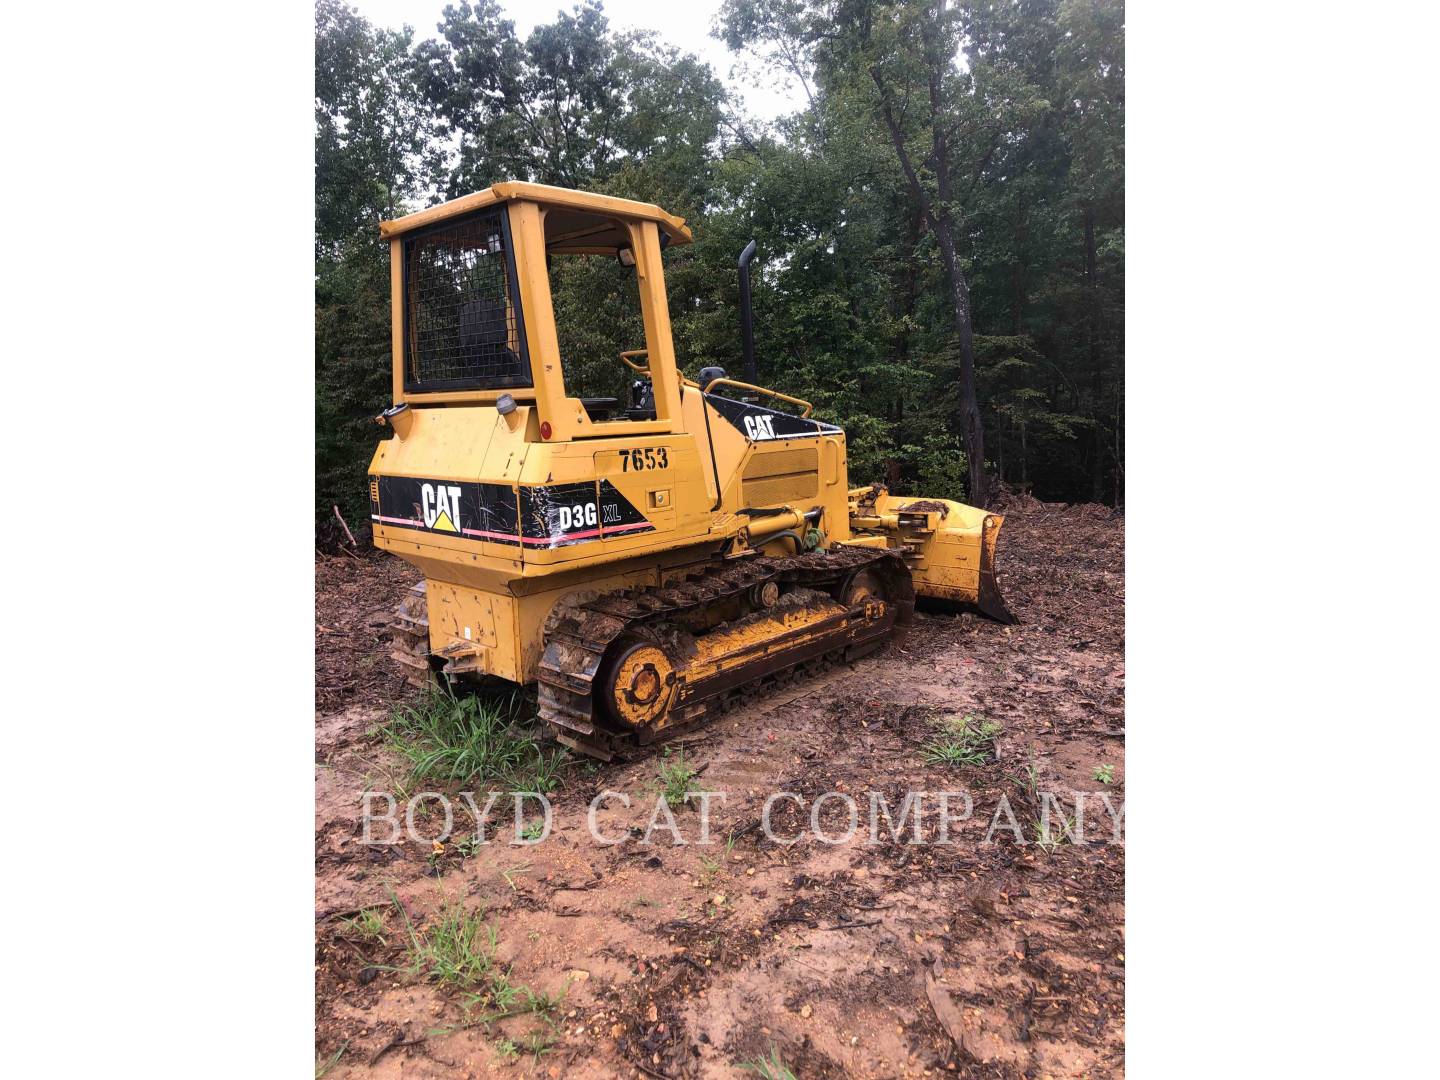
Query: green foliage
[322,1068]
[675,776]
[939,464]
[1104,774]
[372,127]
[458,950]
[470,739]
[367,925]
[853,306]
[373,133]
[352,363]
[538,1043]
[771,1067]
[584,286]
[1049,836]
[962,741]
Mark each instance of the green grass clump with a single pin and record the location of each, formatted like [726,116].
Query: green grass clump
[966,741]
[675,777]
[1049,838]
[322,1068]
[469,739]
[537,1043]
[770,1068]
[458,950]
[367,925]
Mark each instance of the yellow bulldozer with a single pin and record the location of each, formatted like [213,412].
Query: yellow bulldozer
[643,561]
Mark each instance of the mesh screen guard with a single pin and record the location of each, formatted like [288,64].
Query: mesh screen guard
[462,322]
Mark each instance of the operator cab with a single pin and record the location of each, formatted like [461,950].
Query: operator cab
[476,312]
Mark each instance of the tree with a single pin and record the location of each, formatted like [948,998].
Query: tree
[372,128]
[372,132]
[575,104]
[944,125]
[1090,73]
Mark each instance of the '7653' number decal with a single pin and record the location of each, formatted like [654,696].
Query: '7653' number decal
[640,460]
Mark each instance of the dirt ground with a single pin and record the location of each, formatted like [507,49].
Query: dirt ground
[888,959]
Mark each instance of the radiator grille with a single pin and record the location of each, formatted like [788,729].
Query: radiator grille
[462,328]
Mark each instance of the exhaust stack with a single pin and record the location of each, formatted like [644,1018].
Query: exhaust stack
[747,322]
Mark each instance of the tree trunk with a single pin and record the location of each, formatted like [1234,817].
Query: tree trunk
[1017,272]
[1092,334]
[1024,461]
[972,427]
[1097,465]
[942,224]
[1092,314]
[1000,447]
[910,295]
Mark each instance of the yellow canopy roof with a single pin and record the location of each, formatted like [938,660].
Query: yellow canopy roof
[579,222]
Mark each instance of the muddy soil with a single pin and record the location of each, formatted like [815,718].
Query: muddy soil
[878,957]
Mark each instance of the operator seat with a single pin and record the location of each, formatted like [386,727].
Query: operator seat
[485,339]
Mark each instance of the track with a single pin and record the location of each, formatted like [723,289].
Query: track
[586,642]
[410,636]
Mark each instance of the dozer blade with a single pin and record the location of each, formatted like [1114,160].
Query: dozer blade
[988,599]
[950,547]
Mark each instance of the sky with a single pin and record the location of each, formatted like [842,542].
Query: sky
[685,24]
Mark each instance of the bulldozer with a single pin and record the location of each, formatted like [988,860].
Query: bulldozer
[642,560]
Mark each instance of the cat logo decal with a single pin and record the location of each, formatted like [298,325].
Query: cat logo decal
[440,507]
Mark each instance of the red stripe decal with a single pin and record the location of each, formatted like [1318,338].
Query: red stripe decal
[627,528]
[554,541]
[535,541]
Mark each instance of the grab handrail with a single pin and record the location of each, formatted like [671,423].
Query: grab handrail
[762,390]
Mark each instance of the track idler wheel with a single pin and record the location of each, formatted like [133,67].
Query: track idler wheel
[886,582]
[639,685]
[863,586]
